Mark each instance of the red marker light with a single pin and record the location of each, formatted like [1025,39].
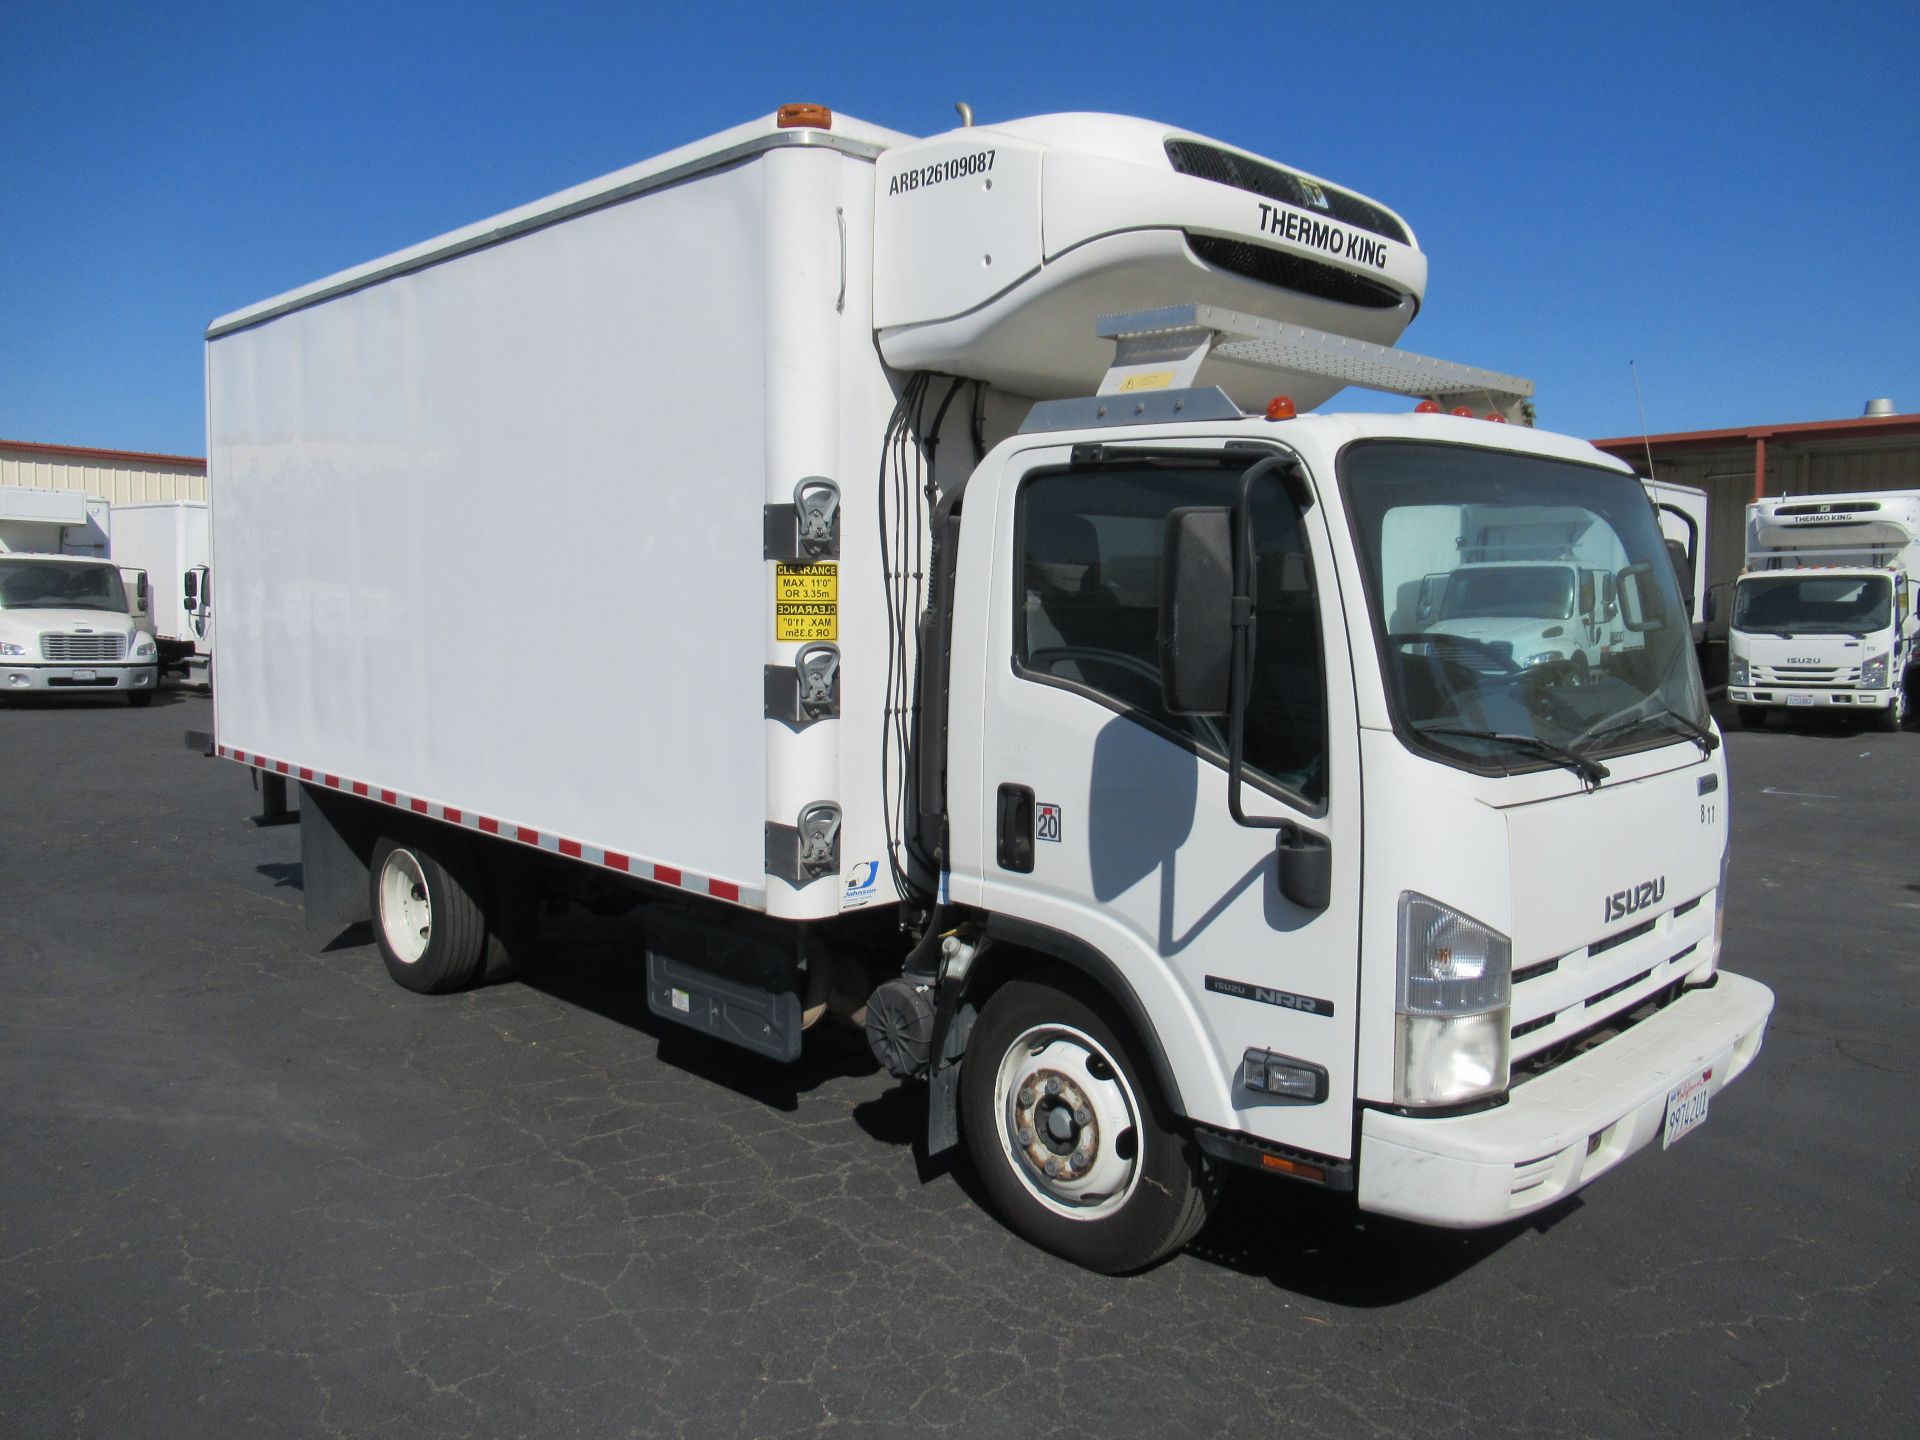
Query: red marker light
[1427,407]
[1496,417]
[1462,411]
[1280,407]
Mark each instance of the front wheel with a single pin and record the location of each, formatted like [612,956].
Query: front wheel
[1895,715]
[1065,1137]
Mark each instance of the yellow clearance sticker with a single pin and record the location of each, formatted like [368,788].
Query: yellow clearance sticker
[806,602]
[1148,380]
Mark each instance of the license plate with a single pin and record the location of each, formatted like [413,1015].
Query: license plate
[1800,699]
[1686,1106]
[85,675]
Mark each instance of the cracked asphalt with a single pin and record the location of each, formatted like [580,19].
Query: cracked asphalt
[249,1186]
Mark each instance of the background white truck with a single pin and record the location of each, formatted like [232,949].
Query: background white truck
[168,539]
[1024,725]
[1823,614]
[65,629]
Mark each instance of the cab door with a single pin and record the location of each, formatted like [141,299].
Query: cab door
[1095,814]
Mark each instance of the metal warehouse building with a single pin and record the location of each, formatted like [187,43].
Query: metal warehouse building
[72,486]
[1876,451]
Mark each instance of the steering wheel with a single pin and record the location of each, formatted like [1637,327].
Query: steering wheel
[1405,638]
[1049,656]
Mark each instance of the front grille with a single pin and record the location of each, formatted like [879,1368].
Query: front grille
[1223,167]
[1294,272]
[83,649]
[1808,676]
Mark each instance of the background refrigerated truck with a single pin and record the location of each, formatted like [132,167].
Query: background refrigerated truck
[1023,724]
[1823,614]
[168,539]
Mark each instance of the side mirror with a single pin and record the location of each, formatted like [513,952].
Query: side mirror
[1196,611]
[192,591]
[1631,585]
[1712,609]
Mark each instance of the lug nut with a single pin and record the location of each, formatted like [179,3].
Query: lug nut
[1053,1167]
[1080,1159]
[1026,1136]
[1053,1085]
[1083,1116]
[1025,1097]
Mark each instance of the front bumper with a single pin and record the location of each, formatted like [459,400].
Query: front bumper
[16,679]
[1799,698]
[1562,1130]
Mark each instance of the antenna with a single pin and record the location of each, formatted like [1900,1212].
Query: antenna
[1645,439]
[966,113]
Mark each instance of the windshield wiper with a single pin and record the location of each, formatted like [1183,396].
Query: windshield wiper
[1695,731]
[1589,770]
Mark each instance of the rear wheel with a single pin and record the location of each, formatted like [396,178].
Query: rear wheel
[1075,1153]
[1752,717]
[427,918]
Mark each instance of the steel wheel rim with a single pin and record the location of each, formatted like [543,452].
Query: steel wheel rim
[406,910]
[1049,1078]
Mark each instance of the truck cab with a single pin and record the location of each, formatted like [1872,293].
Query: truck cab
[1553,616]
[65,628]
[1481,875]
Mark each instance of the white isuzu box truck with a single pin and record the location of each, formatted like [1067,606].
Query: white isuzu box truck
[938,611]
[1823,613]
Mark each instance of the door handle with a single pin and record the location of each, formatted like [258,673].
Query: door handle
[1014,831]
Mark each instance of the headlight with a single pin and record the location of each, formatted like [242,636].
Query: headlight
[144,649]
[1873,674]
[1737,670]
[7,647]
[1452,1023]
[1545,657]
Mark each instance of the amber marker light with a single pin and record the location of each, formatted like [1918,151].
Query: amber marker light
[804,117]
[1293,1167]
[1280,407]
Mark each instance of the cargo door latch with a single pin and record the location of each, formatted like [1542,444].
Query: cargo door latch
[809,528]
[806,691]
[804,852]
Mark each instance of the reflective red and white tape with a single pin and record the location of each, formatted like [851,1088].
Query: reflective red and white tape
[625,864]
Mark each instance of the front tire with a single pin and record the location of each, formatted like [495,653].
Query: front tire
[427,919]
[1895,715]
[140,699]
[1074,1150]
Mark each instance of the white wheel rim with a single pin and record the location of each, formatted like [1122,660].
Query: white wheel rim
[406,912]
[1069,1123]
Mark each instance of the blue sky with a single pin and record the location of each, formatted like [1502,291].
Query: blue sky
[1727,194]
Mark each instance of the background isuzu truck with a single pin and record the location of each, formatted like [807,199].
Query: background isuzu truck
[1080,745]
[1823,614]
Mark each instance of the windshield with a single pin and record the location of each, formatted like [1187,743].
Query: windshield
[52,585]
[1813,604]
[1526,611]
[1543,592]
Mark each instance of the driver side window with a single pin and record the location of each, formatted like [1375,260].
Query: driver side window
[1088,610]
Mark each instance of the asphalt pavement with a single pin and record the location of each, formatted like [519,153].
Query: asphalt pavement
[248,1186]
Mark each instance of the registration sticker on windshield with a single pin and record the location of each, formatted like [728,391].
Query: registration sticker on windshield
[806,602]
